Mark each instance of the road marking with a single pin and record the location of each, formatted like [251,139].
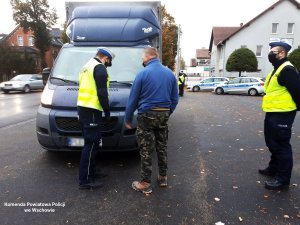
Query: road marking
[18,124]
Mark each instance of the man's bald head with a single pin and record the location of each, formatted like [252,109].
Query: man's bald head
[149,53]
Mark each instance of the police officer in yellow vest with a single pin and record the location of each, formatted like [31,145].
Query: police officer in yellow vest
[181,81]
[92,102]
[281,102]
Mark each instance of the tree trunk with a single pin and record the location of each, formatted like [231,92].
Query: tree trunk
[240,73]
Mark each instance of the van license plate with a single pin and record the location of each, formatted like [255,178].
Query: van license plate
[75,142]
[79,142]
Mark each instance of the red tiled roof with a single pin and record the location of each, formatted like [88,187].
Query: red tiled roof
[221,33]
[202,54]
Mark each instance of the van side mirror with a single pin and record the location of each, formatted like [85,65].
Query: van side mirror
[45,74]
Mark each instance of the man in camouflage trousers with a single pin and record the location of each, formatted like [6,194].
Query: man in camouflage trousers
[155,94]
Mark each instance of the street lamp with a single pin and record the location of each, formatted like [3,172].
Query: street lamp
[178,51]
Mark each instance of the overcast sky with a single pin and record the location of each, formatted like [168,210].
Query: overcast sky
[197,17]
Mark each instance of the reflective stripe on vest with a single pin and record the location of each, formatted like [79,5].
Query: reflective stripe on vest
[87,95]
[277,98]
[181,80]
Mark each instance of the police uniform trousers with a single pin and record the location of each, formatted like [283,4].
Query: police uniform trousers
[278,131]
[90,120]
[181,89]
[152,135]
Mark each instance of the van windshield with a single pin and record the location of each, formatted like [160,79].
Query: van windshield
[125,66]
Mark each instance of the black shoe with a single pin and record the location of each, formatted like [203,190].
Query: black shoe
[90,186]
[99,175]
[276,185]
[267,172]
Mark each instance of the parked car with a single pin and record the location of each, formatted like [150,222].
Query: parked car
[242,85]
[23,82]
[207,84]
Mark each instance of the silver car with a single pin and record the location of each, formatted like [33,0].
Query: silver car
[242,85]
[23,82]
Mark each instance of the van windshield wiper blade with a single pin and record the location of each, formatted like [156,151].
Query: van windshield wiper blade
[121,82]
[64,80]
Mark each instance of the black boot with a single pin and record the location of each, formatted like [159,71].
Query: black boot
[267,172]
[276,185]
[90,186]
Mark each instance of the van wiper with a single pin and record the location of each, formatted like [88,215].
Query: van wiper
[121,82]
[64,80]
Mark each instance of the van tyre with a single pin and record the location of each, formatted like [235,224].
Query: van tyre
[219,91]
[26,89]
[196,89]
[5,91]
[253,92]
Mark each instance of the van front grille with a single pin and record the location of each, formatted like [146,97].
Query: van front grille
[68,124]
[72,124]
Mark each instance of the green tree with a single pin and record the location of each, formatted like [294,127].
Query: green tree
[182,63]
[37,16]
[64,37]
[294,57]
[169,39]
[242,59]
[13,61]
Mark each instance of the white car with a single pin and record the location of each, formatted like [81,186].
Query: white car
[207,84]
[243,85]
[23,82]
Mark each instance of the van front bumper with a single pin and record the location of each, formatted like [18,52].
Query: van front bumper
[55,129]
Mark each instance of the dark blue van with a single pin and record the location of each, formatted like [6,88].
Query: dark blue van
[127,30]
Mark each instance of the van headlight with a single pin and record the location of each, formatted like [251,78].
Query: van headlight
[47,96]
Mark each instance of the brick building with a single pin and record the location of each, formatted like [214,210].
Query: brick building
[23,42]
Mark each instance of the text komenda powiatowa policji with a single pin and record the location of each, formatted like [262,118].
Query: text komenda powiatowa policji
[37,207]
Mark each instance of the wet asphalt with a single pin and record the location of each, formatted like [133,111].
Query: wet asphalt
[216,146]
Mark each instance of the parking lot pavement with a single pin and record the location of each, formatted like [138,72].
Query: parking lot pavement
[215,147]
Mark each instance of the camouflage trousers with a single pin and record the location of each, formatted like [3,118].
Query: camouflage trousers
[152,135]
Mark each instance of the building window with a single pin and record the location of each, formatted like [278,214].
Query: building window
[20,41]
[290,29]
[275,28]
[259,51]
[30,41]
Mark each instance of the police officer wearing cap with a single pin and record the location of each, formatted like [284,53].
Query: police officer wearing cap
[92,102]
[281,102]
[181,82]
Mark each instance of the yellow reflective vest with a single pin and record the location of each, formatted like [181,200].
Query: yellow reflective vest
[87,95]
[181,80]
[277,98]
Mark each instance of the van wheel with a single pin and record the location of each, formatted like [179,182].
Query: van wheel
[26,89]
[5,91]
[253,92]
[196,89]
[219,91]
